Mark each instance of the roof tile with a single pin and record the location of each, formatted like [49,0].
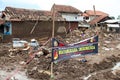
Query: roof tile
[66,9]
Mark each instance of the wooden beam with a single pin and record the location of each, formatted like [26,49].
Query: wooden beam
[95,14]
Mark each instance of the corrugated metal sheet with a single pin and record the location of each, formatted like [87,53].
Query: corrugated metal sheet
[113,25]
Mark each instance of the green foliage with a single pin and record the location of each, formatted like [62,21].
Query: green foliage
[112,17]
[118,17]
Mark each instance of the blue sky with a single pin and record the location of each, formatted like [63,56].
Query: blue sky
[109,6]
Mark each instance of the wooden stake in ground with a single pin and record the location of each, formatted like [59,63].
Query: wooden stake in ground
[53,32]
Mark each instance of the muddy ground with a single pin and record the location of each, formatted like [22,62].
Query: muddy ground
[97,67]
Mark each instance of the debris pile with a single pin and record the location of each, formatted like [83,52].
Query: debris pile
[96,67]
[78,35]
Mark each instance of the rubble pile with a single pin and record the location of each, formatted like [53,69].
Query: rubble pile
[72,69]
[78,35]
[97,67]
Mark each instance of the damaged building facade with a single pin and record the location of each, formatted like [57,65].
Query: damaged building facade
[71,15]
[95,17]
[26,23]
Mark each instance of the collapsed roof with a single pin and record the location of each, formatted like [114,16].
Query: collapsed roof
[27,14]
[99,16]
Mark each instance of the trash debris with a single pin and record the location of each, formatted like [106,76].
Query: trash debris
[116,68]
[34,43]
[86,78]
[83,60]
[107,42]
[17,43]
[22,62]
[118,46]
[43,71]
[34,68]
[37,58]
[107,49]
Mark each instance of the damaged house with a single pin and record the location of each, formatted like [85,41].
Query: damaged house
[28,23]
[71,15]
[25,23]
[112,26]
[20,22]
[95,17]
[1,29]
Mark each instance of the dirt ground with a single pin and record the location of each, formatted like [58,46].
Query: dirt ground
[97,67]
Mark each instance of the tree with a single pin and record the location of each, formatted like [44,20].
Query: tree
[112,17]
[118,17]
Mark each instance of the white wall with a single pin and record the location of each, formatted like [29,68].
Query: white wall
[90,18]
[72,17]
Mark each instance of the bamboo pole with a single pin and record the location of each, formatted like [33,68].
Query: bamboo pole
[53,34]
[96,24]
[34,27]
[53,27]
[95,14]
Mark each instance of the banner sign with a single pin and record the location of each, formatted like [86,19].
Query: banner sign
[60,51]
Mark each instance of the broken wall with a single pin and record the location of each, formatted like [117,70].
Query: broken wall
[22,29]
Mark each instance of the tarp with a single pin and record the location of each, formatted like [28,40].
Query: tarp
[113,25]
[61,51]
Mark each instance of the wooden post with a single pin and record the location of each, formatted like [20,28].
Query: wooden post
[53,34]
[53,16]
[34,27]
[95,14]
[96,22]
[52,76]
